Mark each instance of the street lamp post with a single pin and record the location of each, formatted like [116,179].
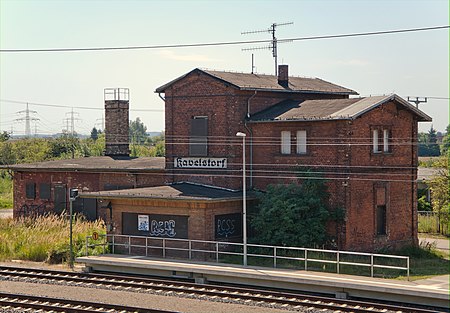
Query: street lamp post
[244,199]
[73,194]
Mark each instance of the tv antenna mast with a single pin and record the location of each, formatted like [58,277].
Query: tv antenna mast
[274,43]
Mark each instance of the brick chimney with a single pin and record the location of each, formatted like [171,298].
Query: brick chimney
[117,104]
[283,76]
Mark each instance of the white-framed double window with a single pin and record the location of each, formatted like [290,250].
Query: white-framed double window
[381,140]
[300,143]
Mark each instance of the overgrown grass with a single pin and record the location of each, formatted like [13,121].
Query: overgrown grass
[45,238]
[6,191]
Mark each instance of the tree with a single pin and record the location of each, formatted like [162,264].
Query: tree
[446,141]
[4,136]
[138,132]
[64,147]
[94,134]
[440,191]
[293,215]
[428,145]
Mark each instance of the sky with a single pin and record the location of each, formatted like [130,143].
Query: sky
[414,64]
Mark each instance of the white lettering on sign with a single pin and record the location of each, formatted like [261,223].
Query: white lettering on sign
[162,228]
[200,162]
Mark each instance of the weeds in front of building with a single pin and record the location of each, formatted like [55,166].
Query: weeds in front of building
[45,238]
[6,190]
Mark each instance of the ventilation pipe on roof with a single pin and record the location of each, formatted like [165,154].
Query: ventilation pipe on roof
[283,76]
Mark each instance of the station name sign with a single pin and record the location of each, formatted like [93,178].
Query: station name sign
[200,162]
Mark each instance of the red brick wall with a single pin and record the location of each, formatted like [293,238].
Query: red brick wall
[201,214]
[226,108]
[85,182]
[341,150]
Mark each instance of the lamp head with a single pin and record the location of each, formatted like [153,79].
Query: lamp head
[240,134]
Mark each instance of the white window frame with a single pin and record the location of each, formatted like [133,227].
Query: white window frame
[375,146]
[301,142]
[386,140]
[285,142]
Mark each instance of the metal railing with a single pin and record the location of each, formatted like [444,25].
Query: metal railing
[227,252]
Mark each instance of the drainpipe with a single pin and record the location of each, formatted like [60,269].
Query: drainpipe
[162,98]
[247,117]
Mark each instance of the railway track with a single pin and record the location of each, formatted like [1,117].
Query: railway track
[28,303]
[212,292]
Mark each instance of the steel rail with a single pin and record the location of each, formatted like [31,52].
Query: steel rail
[231,293]
[65,305]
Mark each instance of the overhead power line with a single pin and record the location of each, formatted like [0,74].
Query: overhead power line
[226,43]
[69,106]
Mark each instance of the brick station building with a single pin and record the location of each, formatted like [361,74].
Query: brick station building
[364,147]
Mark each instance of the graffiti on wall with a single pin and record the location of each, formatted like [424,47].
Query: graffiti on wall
[228,226]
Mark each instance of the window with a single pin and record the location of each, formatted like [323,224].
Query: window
[386,140]
[44,191]
[301,142]
[285,142]
[198,144]
[381,140]
[30,190]
[375,141]
[381,220]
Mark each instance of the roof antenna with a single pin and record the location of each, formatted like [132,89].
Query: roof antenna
[273,44]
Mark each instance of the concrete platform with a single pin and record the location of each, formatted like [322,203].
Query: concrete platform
[434,292]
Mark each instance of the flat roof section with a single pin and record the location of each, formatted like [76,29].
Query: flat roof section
[178,191]
[89,164]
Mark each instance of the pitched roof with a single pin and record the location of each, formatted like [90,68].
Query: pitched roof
[102,163]
[177,191]
[246,81]
[330,109]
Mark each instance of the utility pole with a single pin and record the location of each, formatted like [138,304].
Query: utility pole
[417,101]
[72,120]
[274,44]
[27,120]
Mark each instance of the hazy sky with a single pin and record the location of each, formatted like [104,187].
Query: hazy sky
[410,64]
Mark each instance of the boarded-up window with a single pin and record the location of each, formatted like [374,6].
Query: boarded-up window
[87,207]
[30,190]
[165,226]
[44,191]
[228,226]
[198,141]
[285,142]
[301,142]
[381,220]
[60,198]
